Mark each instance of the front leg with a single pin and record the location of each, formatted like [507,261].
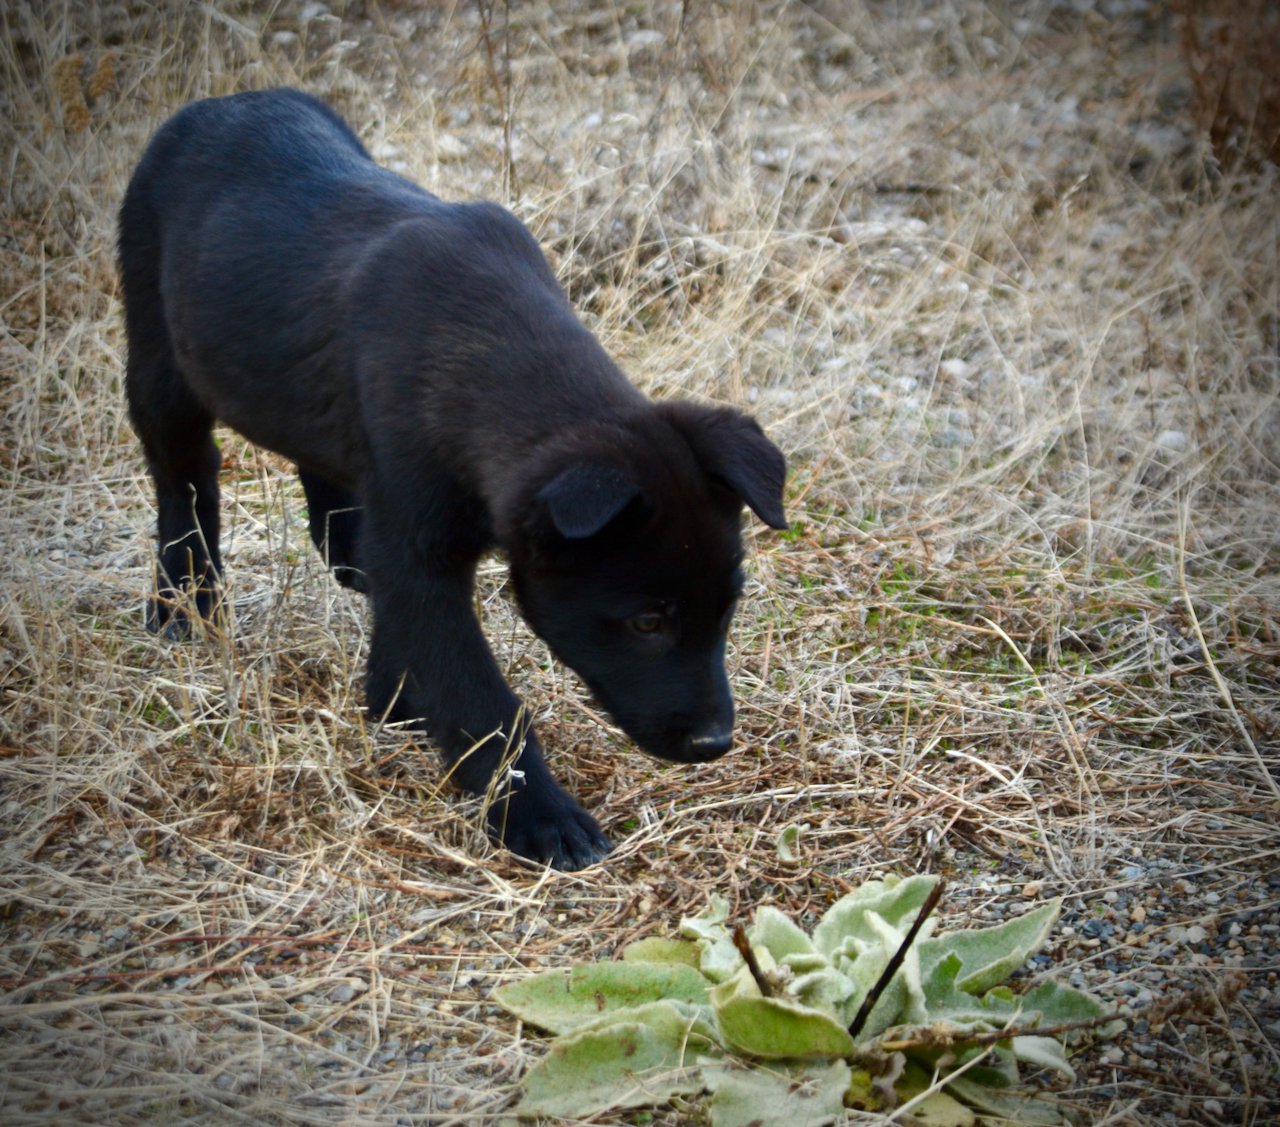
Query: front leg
[535,817]
[429,663]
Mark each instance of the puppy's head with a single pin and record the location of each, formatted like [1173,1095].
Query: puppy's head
[625,549]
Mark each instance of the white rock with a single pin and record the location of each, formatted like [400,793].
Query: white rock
[645,37]
[448,147]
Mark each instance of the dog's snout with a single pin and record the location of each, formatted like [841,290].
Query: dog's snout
[712,744]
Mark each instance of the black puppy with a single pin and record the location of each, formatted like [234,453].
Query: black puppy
[421,365]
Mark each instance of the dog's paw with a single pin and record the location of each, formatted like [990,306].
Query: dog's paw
[173,616]
[351,577]
[547,826]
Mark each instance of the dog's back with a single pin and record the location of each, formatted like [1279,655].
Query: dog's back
[287,265]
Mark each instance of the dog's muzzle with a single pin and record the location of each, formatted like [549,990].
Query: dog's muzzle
[709,745]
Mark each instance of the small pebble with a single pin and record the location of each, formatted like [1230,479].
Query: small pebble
[1095,929]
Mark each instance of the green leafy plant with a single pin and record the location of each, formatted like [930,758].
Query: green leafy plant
[871,1011]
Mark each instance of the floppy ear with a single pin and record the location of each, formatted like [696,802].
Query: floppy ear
[584,498]
[731,447]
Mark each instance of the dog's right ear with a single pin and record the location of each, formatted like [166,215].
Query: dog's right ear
[731,448]
[583,498]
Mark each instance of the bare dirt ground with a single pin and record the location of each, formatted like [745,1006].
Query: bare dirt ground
[975,271]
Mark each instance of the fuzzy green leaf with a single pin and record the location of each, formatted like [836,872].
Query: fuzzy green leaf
[901,990]
[788,840]
[943,1001]
[825,989]
[989,955]
[778,935]
[641,1059]
[659,949]
[1003,1105]
[937,1109]
[1043,1052]
[999,1070]
[808,1097]
[720,959]
[776,1028]
[892,899]
[561,1001]
[1058,1004]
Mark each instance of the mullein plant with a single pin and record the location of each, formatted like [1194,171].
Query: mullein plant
[874,1010]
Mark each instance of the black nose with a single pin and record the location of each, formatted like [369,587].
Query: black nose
[710,745]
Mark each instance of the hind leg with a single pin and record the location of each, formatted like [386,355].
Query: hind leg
[334,516]
[175,428]
[177,436]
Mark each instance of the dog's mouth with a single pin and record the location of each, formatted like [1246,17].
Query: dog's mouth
[684,748]
[706,747]
[684,737]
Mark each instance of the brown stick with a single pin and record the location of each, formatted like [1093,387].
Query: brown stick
[995,1036]
[741,942]
[891,967]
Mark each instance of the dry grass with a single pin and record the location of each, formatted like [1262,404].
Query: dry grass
[1231,51]
[966,264]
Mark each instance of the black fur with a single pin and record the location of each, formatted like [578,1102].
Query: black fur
[421,365]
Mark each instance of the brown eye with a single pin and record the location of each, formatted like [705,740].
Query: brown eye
[650,623]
